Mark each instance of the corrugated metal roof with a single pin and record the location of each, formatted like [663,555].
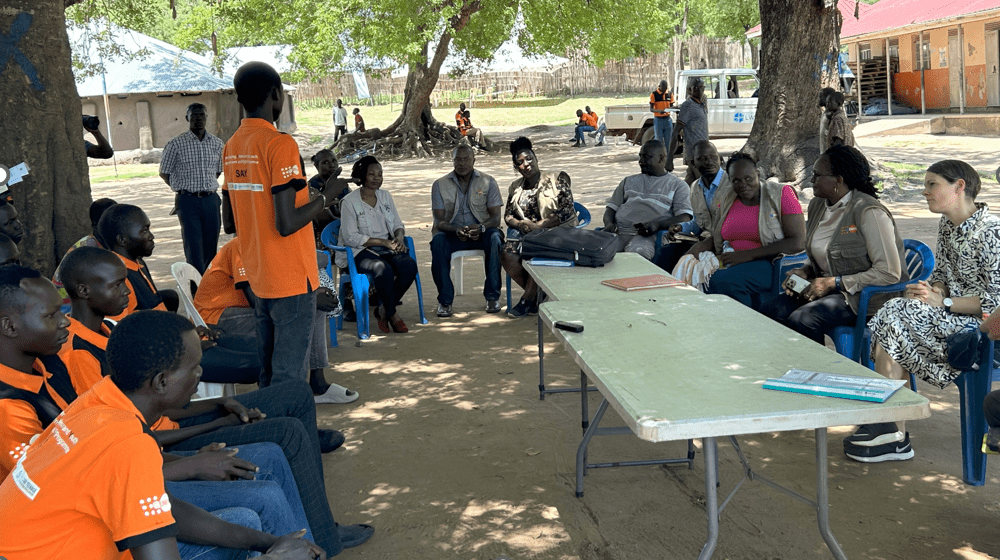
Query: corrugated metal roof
[165,69]
[894,14]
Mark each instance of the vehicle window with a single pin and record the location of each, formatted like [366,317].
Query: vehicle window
[742,86]
[711,86]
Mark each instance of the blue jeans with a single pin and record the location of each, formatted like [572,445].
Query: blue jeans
[237,516]
[201,219]
[234,359]
[290,423]
[600,133]
[663,127]
[272,495]
[580,129]
[284,329]
[444,243]
[748,283]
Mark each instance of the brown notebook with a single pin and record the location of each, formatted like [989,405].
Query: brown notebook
[643,282]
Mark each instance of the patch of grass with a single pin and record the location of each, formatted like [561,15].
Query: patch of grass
[106,173]
[552,111]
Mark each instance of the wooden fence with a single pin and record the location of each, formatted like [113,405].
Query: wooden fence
[575,77]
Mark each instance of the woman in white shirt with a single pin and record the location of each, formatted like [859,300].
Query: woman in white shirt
[370,225]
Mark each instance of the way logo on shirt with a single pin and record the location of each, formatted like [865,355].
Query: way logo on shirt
[155,506]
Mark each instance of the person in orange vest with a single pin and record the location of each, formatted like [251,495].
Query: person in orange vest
[659,101]
[587,123]
[464,123]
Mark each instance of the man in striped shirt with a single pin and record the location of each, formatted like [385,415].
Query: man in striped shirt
[191,165]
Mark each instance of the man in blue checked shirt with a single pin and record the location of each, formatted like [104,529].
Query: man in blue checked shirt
[191,165]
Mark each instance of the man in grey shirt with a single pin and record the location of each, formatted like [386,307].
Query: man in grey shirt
[646,203]
[467,209]
[693,120]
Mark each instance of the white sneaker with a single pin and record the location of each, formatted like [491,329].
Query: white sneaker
[337,394]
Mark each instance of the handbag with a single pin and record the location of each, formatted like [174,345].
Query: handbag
[584,247]
[964,349]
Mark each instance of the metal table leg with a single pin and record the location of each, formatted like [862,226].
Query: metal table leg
[583,401]
[541,361]
[581,452]
[710,449]
[823,496]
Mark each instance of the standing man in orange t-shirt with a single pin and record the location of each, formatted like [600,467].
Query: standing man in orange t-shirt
[266,203]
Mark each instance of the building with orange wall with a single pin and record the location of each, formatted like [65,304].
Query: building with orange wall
[941,54]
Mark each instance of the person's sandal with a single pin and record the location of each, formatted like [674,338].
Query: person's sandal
[399,326]
[383,322]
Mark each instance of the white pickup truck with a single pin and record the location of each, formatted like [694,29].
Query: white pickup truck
[729,93]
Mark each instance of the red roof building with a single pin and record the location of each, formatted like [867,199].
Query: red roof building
[941,54]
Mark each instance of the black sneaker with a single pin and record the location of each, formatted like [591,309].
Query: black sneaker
[519,310]
[895,451]
[868,435]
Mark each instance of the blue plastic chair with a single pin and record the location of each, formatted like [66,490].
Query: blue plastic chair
[329,239]
[333,320]
[582,221]
[855,342]
[359,282]
[973,385]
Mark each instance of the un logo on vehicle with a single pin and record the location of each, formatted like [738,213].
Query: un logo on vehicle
[738,117]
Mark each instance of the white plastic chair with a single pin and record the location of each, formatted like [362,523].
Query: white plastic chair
[184,274]
[459,281]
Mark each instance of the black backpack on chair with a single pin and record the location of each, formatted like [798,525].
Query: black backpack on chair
[584,247]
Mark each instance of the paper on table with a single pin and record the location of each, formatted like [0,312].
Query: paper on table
[875,389]
[646,282]
[541,261]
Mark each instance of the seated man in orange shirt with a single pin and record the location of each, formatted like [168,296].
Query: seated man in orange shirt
[225,300]
[282,414]
[463,120]
[125,230]
[228,358]
[587,123]
[91,485]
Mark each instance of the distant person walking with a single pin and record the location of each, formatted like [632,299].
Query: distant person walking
[359,121]
[191,165]
[659,101]
[693,121]
[339,120]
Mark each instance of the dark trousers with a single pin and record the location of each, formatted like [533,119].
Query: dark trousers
[444,243]
[748,283]
[669,253]
[339,130]
[991,408]
[290,423]
[284,329]
[812,319]
[201,219]
[234,359]
[391,275]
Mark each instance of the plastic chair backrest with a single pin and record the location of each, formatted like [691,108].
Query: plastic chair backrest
[330,234]
[184,274]
[919,259]
[582,215]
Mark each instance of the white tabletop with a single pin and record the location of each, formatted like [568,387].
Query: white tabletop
[689,365]
[576,282]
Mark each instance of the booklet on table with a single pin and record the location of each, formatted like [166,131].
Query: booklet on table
[874,389]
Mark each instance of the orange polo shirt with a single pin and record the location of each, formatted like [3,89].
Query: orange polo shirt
[220,287]
[28,403]
[144,293]
[593,119]
[89,488]
[259,161]
[660,101]
[462,122]
[86,361]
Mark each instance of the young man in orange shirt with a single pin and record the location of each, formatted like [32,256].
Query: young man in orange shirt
[266,203]
[91,486]
[94,279]
[659,101]
[587,123]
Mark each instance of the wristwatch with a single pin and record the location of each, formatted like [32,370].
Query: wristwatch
[482,228]
[947,304]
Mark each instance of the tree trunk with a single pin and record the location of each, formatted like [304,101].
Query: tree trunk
[41,111]
[796,37]
[415,132]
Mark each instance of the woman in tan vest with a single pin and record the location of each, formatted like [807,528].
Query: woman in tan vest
[852,242]
[756,222]
[538,199]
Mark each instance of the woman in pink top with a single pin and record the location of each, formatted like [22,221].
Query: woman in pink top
[759,223]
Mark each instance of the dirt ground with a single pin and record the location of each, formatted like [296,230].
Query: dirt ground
[450,453]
